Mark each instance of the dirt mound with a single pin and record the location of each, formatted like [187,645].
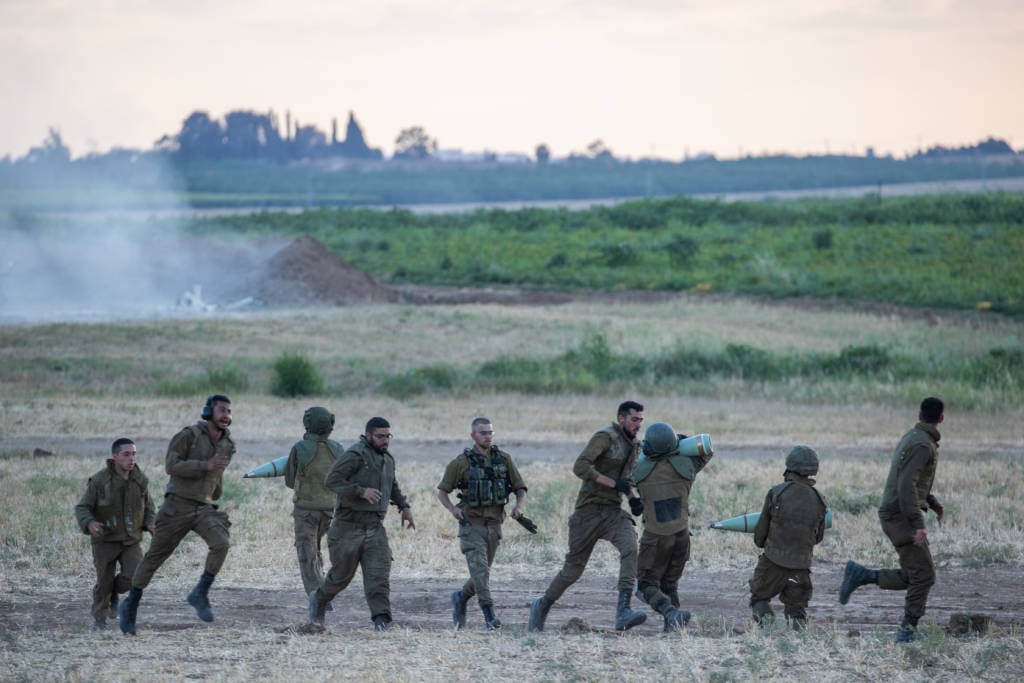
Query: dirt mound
[306,273]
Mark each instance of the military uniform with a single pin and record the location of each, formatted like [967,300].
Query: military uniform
[188,502]
[664,483]
[486,481]
[792,522]
[125,509]
[599,514]
[904,500]
[357,538]
[309,462]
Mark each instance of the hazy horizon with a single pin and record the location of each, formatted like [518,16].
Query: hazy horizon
[658,78]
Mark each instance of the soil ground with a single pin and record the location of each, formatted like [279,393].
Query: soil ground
[717,599]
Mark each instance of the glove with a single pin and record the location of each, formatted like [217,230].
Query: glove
[935,505]
[622,486]
[527,524]
[636,506]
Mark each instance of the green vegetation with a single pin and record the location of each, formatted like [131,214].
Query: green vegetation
[296,375]
[940,251]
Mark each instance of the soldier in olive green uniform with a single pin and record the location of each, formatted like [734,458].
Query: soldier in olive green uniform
[663,477]
[905,499]
[486,476]
[604,466]
[792,522]
[114,511]
[308,464]
[196,459]
[364,481]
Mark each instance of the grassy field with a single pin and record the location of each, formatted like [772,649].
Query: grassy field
[73,387]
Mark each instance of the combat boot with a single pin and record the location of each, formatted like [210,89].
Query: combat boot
[675,618]
[907,632]
[99,624]
[625,617]
[459,609]
[317,608]
[492,622]
[128,610]
[381,623]
[855,576]
[198,599]
[539,609]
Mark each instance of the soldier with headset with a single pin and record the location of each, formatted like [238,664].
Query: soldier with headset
[486,476]
[196,459]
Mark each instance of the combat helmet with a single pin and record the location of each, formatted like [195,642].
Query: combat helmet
[660,439]
[802,460]
[318,420]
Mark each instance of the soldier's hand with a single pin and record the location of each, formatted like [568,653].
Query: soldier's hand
[636,506]
[96,529]
[920,536]
[218,462]
[517,512]
[935,505]
[622,486]
[407,519]
[370,495]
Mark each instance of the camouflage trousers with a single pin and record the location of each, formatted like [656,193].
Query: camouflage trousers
[479,542]
[793,586]
[106,557]
[310,528]
[177,517]
[588,525]
[916,574]
[660,564]
[354,546]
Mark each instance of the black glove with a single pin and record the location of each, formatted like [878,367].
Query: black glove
[527,523]
[935,505]
[636,506]
[622,486]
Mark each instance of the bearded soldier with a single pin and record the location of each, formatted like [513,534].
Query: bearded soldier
[364,481]
[486,476]
[905,499]
[308,464]
[114,511]
[604,466]
[196,459]
[792,522]
[663,476]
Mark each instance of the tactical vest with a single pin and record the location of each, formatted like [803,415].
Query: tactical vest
[920,436]
[314,458]
[486,485]
[120,505]
[666,496]
[377,471]
[206,488]
[797,511]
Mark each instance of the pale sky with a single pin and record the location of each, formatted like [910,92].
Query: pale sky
[659,77]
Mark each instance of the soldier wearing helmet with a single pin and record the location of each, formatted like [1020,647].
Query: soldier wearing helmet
[663,476]
[792,522]
[308,464]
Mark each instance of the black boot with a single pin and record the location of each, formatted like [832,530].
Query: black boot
[855,576]
[317,608]
[459,609]
[492,622]
[675,618]
[381,623]
[197,598]
[128,610]
[907,632]
[626,618]
[539,613]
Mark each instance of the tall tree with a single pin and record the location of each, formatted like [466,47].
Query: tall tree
[200,137]
[542,153]
[414,143]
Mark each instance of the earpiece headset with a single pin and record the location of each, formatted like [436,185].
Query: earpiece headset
[207,412]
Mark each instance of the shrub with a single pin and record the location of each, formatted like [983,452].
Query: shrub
[295,375]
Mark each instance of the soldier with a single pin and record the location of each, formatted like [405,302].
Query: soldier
[792,522]
[364,481]
[196,459]
[905,499]
[604,466]
[308,464]
[663,477]
[114,511]
[485,475]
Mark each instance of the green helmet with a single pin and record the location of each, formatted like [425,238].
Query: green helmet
[660,439]
[318,420]
[802,460]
